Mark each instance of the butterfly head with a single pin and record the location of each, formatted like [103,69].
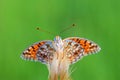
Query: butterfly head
[58,43]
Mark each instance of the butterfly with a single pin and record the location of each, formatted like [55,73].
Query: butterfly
[74,48]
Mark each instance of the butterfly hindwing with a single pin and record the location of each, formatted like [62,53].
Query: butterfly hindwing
[45,52]
[73,50]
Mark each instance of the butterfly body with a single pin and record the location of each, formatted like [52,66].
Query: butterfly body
[72,49]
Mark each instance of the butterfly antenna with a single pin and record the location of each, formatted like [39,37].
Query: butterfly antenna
[73,25]
[38,28]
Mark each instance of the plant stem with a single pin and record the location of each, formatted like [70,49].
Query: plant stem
[59,68]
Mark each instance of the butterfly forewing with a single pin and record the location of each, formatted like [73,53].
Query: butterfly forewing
[79,47]
[39,51]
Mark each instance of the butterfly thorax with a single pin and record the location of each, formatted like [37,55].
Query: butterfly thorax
[58,44]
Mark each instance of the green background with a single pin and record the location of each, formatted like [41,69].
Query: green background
[97,20]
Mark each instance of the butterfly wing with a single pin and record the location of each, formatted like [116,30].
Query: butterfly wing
[76,48]
[41,51]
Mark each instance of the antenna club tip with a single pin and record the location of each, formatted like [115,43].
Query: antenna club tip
[73,25]
[37,28]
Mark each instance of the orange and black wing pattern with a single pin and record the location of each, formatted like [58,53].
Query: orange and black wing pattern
[40,51]
[30,53]
[77,47]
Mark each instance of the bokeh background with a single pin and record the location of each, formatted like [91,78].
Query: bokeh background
[97,20]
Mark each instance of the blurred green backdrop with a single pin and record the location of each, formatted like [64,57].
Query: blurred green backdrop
[97,20]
